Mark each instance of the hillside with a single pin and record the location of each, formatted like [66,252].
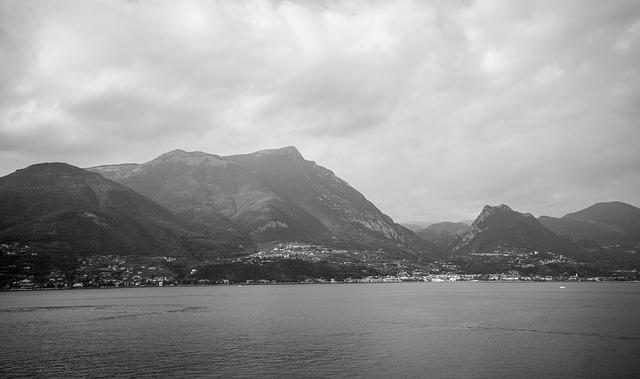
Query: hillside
[612,223]
[61,208]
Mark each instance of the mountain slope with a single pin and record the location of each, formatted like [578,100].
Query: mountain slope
[267,195]
[499,228]
[194,186]
[318,191]
[612,223]
[62,208]
[218,195]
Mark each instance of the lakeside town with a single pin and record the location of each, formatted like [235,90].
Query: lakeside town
[23,268]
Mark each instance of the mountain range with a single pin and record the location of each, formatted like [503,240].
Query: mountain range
[499,227]
[203,205]
[231,203]
[605,232]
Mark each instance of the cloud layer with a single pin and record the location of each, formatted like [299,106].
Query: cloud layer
[432,109]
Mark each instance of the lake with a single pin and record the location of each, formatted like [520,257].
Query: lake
[404,330]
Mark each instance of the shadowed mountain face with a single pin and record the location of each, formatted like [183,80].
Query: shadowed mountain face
[59,207]
[500,227]
[613,223]
[266,196]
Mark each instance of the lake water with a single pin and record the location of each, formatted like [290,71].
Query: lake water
[404,330]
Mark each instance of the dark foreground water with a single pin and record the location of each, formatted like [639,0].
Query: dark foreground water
[300,331]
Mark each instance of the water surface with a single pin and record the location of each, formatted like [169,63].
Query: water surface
[351,330]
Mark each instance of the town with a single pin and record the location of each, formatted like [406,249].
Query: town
[23,268]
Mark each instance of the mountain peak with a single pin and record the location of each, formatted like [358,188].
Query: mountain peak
[272,160]
[175,153]
[55,168]
[493,209]
[181,154]
[190,158]
[501,223]
[287,151]
[489,210]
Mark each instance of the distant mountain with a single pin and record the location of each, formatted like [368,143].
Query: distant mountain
[612,223]
[415,226]
[443,234]
[499,228]
[446,228]
[61,208]
[268,195]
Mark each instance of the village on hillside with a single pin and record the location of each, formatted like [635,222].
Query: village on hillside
[23,268]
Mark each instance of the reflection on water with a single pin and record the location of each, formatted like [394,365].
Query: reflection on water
[365,330]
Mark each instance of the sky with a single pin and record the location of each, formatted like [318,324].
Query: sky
[431,109]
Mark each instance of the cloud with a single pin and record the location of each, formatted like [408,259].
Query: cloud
[431,109]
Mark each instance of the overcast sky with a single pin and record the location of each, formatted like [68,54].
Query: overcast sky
[431,109]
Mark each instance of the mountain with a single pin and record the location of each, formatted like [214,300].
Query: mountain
[443,234]
[62,208]
[269,195]
[500,227]
[611,223]
[185,184]
[415,226]
[447,228]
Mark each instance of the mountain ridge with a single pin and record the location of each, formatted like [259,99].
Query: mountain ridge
[606,223]
[272,194]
